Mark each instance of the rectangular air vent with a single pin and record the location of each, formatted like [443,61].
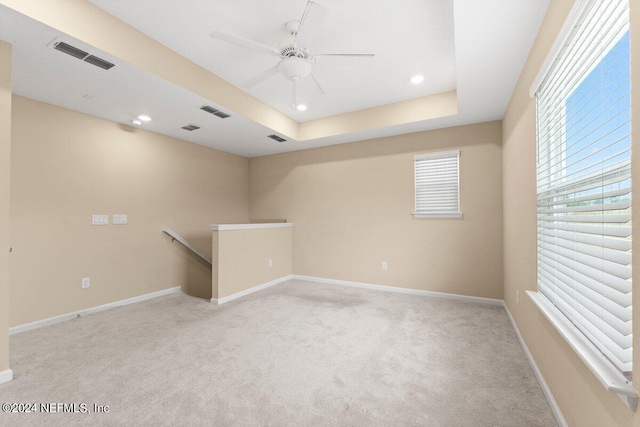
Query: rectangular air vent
[209,109]
[81,54]
[277,138]
[215,111]
[190,127]
[70,50]
[98,62]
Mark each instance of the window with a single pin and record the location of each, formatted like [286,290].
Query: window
[437,184]
[584,181]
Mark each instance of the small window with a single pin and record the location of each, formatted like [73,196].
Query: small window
[437,184]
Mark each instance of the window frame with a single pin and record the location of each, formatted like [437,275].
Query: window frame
[436,155]
[605,370]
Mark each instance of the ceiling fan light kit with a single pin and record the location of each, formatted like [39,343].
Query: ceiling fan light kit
[296,62]
[295,69]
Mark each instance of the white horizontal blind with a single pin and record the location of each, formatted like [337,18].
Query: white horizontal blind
[584,180]
[437,184]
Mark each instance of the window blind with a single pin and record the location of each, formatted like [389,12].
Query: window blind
[584,181]
[437,184]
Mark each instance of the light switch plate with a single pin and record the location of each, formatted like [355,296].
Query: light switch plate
[100,219]
[119,219]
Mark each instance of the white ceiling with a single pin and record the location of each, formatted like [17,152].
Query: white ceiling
[122,93]
[408,37]
[492,40]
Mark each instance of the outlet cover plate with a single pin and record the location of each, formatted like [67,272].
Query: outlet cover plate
[100,220]
[119,219]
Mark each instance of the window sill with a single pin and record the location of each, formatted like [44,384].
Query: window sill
[610,377]
[437,215]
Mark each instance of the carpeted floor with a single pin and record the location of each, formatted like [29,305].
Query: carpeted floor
[296,354]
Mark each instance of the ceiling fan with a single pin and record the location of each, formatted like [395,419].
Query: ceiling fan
[296,60]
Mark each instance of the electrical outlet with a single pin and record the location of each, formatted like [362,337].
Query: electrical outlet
[517,296]
[270,263]
[384,265]
[86,282]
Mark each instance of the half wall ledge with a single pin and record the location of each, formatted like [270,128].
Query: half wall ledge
[246,256]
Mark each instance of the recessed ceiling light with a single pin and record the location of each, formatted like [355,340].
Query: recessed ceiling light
[301,107]
[417,79]
[144,118]
[136,122]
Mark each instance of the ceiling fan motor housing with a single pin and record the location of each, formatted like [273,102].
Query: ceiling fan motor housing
[288,49]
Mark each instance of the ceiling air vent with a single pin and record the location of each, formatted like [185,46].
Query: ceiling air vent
[209,109]
[81,54]
[99,62]
[277,138]
[215,111]
[70,50]
[190,127]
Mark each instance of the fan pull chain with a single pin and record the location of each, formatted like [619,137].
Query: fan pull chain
[295,99]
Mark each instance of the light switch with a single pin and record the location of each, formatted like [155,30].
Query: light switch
[100,220]
[119,219]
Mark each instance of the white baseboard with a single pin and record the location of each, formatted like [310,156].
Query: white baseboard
[543,384]
[431,294]
[6,376]
[250,290]
[64,317]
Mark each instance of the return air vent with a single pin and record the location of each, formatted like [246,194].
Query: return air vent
[98,62]
[70,50]
[215,111]
[81,54]
[277,138]
[190,127]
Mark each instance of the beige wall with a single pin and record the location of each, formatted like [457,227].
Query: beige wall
[409,111]
[351,205]
[67,166]
[5,156]
[580,396]
[243,255]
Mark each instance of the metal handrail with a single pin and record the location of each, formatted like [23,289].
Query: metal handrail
[181,240]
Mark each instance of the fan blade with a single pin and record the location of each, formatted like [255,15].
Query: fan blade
[260,78]
[310,88]
[317,85]
[310,24]
[346,59]
[242,42]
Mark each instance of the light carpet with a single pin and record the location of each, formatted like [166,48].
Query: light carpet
[296,354]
